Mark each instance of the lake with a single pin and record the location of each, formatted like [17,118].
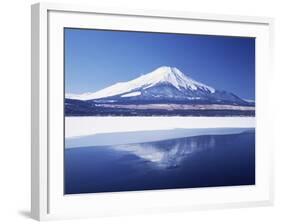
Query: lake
[186,162]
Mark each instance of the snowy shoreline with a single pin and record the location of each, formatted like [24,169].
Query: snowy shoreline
[83,126]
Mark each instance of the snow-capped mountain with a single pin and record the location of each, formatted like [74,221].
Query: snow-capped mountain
[163,75]
[164,84]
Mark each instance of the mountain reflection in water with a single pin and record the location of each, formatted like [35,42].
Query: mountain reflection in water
[168,153]
[198,161]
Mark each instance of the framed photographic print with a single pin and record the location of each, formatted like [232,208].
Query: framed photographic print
[148,111]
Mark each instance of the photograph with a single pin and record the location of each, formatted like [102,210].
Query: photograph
[143,111]
[131,104]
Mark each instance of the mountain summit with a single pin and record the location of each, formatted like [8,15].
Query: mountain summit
[163,85]
[175,77]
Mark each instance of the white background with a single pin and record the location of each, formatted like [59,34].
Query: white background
[15,111]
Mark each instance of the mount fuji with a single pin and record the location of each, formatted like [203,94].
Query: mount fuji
[165,88]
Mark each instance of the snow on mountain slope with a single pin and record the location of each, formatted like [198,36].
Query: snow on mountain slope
[249,100]
[132,94]
[162,75]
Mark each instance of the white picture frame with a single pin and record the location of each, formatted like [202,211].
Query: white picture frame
[47,198]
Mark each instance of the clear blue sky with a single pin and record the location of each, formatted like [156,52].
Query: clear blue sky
[95,59]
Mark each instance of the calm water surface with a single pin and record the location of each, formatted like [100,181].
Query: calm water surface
[200,161]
